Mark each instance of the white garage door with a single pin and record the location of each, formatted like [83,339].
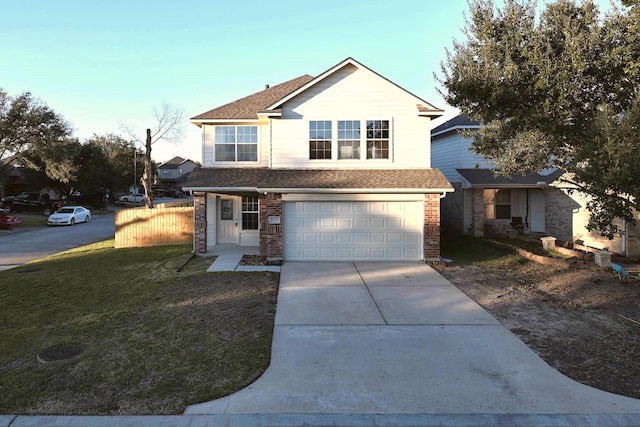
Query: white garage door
[369,231]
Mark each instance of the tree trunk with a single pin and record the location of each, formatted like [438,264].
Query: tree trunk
[146,178]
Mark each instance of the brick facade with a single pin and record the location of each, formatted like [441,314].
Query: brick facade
[200,223]
[271,234]
[452,209]
[432,227]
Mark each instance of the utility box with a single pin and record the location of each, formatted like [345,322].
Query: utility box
[548,243]
[603,259]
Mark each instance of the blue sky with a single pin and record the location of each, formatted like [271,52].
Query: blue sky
[102,64]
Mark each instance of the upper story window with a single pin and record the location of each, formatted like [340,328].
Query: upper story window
[165,172]
[351,137]
[377,139]
[236,143]
[320,139]
[348,139]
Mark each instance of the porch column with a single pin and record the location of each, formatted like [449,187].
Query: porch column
[200,223]
[271,234]
[477,213]
[431,237]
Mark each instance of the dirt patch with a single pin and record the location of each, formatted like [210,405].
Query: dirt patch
[586,324]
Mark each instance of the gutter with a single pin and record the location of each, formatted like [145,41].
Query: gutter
[358,190]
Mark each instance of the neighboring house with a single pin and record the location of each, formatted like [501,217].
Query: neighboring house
[174,173]
[485,202]
[333,167]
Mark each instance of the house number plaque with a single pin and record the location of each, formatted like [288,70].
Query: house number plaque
[274,220]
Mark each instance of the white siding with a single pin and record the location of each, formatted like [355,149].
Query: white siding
[352,94]
[451,152]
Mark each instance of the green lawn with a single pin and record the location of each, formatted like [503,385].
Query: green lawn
[156,334]
[465,250]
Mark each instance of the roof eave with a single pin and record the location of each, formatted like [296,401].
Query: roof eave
[511,186]
[431,113]
[270,114]
[356,190]
[199,122]
[221,189]
[455,128]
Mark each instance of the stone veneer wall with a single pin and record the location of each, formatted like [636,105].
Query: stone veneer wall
[432,227]
[200,223]
[271,234]
[477,213]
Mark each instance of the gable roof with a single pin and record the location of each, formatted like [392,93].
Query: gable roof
[424,108]
[459,122]
[249,106]
[426,180]
[172,164]
[488,178]
[269,101]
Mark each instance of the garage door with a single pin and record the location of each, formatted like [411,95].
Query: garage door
[366,231]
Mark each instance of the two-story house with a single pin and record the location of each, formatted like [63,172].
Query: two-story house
[333,167]
[173,173]
[486,202]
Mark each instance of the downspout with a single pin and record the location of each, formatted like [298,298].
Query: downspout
[526,217]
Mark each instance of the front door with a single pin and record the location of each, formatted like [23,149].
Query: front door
[228,208]
[537,211]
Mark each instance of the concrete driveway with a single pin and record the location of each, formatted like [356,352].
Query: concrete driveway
[399,339]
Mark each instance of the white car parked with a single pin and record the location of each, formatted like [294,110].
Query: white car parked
[69,215]
[133,198]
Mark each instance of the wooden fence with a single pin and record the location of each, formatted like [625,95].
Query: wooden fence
[166,224]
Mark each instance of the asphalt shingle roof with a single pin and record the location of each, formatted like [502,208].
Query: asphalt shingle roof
[249,106]
[458,121]
[488,177]
[423,179]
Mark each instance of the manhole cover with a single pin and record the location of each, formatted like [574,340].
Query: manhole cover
[59,352]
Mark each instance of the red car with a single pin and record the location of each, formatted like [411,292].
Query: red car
[8,220]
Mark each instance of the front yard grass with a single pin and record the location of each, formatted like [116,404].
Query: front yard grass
[153,339]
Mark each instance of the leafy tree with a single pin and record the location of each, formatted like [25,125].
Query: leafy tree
[29,129]
[556,89]
[120,155]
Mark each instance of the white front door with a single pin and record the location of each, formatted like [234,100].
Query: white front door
[228,212]
[537,211]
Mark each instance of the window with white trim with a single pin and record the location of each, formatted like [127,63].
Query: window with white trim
[236,143]
[377,139]
[320,139]
[250,211]
[348,139]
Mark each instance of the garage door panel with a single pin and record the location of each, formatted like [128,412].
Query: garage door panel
[327,222]
[344,237]
[394,237]
[353,230]
[310,237]
[327,238]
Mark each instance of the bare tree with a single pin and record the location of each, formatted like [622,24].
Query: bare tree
[168,127]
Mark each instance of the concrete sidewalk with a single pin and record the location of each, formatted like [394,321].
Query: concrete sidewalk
[399,339]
